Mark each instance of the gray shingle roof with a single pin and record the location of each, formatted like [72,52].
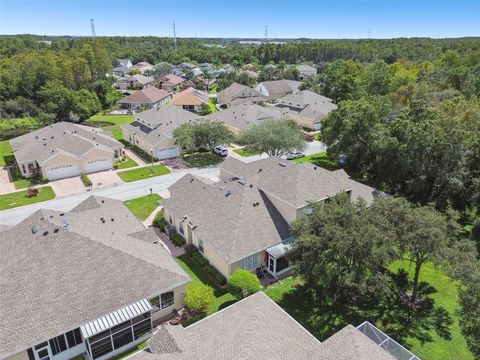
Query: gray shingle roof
[257,328]
[237,90]
[306,104]
[52,282]
[148,95]
[74,139]
[162,122]
[236,220]
[243,116]
[295,184]
[281,86]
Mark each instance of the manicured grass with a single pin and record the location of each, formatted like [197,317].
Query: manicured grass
[127,163]
[447,297]
[279,289]
[143,173]
[143,206]
[202,159]
[199,277]
[6,153]
[246,152]
[112,123]
[213,89]
[320,159]
[19,198]
[22,183]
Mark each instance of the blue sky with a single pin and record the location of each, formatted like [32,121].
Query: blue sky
[244,18]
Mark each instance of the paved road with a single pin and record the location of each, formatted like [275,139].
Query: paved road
[120,192]
[129,190]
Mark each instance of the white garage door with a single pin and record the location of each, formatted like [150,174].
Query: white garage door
[97,165]
[60,172]
[167,153]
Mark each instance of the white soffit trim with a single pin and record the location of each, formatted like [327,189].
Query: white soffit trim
[115,317]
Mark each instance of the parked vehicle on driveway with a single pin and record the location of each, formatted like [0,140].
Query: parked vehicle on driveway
[220,150]
[295,155]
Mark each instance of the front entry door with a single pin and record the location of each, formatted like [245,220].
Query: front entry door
[42,351]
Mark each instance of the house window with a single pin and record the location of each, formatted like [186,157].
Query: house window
[170,219]
[282,264]
[201,246]
[74,338]
[65,341]
[58,344]
[120,335]
[250,263]
[167,299]
[24,170]
[155,301]
[180,227]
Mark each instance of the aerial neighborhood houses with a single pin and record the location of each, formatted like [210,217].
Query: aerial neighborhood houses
[89,281]
[152,130]
[94,282]
[64,150]
[269,194]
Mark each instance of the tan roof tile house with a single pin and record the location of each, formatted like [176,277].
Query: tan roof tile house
[190,99]
[170,82]
[64,150]
[152,130]
[146,98]
[237,94]
[243,220]
[90,281]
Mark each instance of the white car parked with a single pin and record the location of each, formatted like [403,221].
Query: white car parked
[295,155]
[220,150]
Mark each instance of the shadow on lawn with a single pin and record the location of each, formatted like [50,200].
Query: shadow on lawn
[401,322]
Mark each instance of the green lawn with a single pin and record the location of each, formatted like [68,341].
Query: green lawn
[447,297]
[127,163]
[198,275]
[202,159]
[246,152]
[213,89]
[320,159]
[6,153]
[143,173]
[112,123]
[19,198]
[143,206]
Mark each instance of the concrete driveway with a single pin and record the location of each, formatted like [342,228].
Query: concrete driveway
[5,185]
[105,179]
[67,187]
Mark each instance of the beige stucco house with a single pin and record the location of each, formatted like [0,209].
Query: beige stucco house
[64,150]
[243,220]
[152,130]
[90,282]
[307,108]
[275,89]
[190,99]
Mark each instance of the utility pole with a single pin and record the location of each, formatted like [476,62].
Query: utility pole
[266,33]
[174,37]
[92,25]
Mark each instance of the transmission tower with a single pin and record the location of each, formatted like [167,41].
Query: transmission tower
[92,25]
[174,37]
[266,32]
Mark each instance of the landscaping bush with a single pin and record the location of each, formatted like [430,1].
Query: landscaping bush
[213,274]
[159,221]
[32,192]
[243,283]
[198,298]
[177,239]
[86,181]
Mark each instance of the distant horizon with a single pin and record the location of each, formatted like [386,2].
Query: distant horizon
[244,19]
[244,38]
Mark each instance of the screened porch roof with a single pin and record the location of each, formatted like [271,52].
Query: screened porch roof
[115,317]
[279,250]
